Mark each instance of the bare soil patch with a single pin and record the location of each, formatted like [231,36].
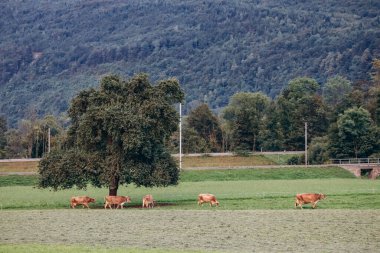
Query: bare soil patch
[229,231]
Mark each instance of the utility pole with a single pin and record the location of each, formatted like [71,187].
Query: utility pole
[306,143]
[180,136]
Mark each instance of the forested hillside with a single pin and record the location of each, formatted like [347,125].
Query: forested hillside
[49,50]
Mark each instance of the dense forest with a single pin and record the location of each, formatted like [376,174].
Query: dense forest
[50,50]
[342,120]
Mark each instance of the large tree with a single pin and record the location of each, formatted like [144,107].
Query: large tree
[117,137]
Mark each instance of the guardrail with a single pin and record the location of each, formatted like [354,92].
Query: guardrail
[356,161]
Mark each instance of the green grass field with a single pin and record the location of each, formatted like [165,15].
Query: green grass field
[256,212]
[235,189]
[264,174]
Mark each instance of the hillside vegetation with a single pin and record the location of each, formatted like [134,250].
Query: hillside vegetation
[52,49]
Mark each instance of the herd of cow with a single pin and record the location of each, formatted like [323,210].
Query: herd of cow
[149,202]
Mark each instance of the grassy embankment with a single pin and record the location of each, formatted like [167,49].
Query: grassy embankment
[187,162]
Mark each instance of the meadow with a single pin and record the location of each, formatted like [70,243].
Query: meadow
[256,214]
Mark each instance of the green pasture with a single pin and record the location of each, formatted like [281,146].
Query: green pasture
[221,175]
[264,174]
[235,190]
[256,212]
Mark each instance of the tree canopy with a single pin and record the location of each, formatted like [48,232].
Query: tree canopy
[117,136]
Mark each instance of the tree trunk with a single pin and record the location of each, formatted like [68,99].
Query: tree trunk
[114,186]
[112,191]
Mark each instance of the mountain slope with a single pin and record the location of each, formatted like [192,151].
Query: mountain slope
[52,49]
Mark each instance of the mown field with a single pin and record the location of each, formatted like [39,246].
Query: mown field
[207,230]
[256,214]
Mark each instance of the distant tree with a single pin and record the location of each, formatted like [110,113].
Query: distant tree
[244,115]
[207,126]
[271,132]
[117,136]
[226,135]
[27,130]
[3,139]
[15,147]
[318,152]
[41,135]
[193,142]
[335,90]
[354,135]
[354,99]
[297,104]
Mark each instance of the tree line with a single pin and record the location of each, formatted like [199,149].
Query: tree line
[343,122]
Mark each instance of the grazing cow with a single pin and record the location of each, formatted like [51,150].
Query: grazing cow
[206,197]
[307,198]
[148,201]
[81,200]
[116,200]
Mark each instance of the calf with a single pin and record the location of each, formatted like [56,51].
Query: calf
[307,198]
[119,201]
[81,200]
[206,197]
[148,201]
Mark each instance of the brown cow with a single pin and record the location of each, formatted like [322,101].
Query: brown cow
[306,198]
[81,200]
[116,200]
[148,201]
[206,197]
